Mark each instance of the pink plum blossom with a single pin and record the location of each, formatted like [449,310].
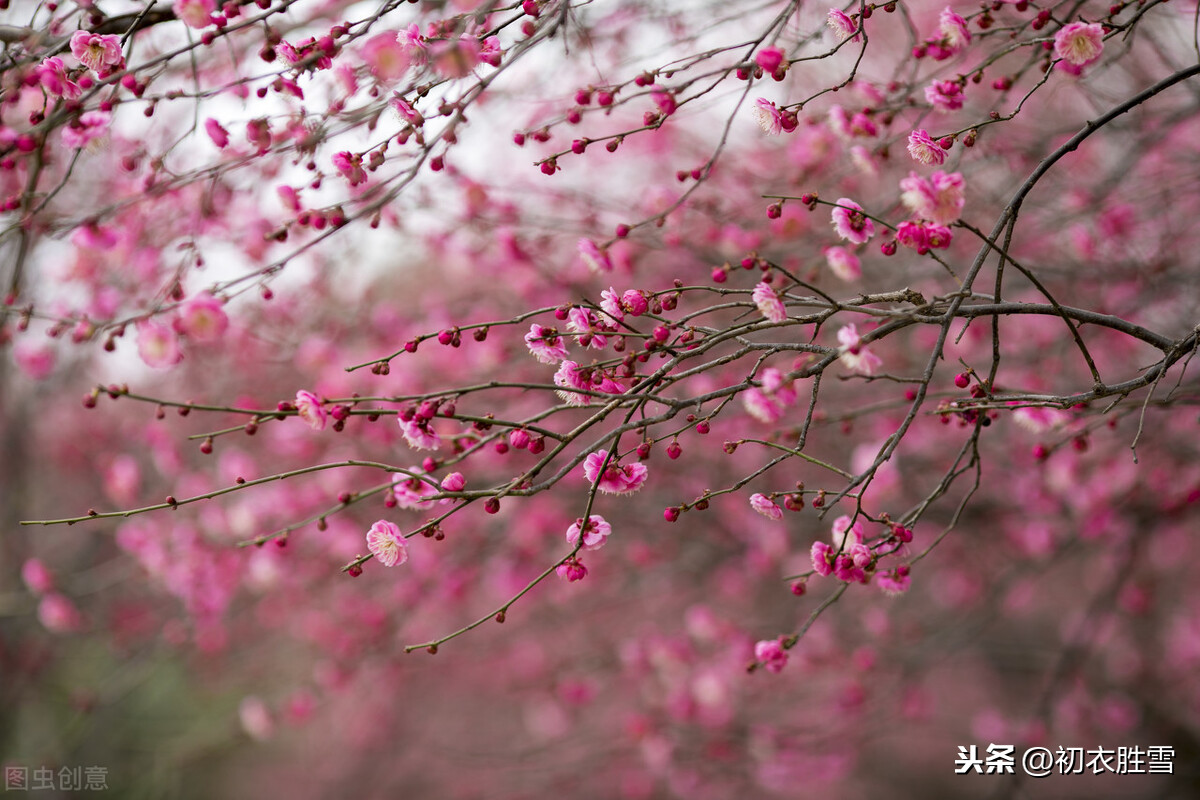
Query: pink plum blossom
[571,570]
[589,328]
[895,581]
[36,577]
[1079,43]
[846,533]
[595,532]
[634,302]
[35,359]
[840,23]
[763,505]
[610,302]
[90,126]
[52,74]
[761,407]
[454,482]
[616,479]
[310,409]
[770,305]
[944,95]
[664,99]
[455,58]
[255,718]
[843,263]
[219,136]
[938,198]
[822,558]
[414,43]
[407,111]
[386,543]
[158,345]
[386,57]
[571,375]
[771,118]
[769,58]
[923,236]
[596,259]
[195,13]
[99,53]
[854,354]
[771,655]
[924,149]
[412,491]
[851,223]
[202,318]
[350,165]
[490,52]
[768,403]
[545,344]
[58,614]
[954,30]
[419,434]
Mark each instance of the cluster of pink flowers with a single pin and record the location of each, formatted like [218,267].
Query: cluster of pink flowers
[631,302]
[923,236]
[573,378]
[848,558]
[616,479]
[592,329]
